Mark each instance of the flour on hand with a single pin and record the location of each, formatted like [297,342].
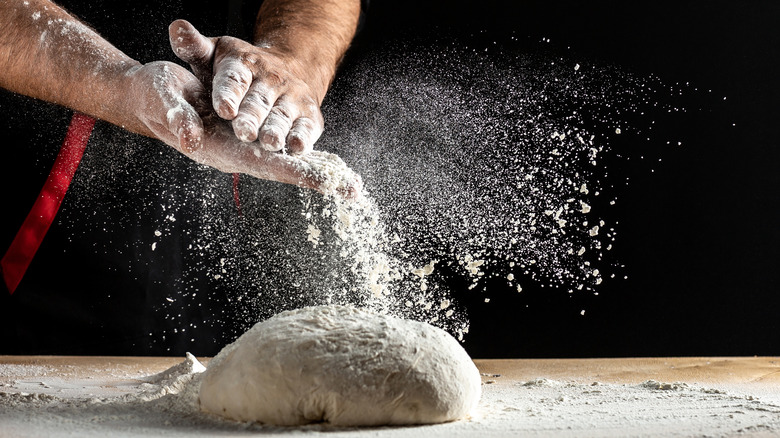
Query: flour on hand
[344,366]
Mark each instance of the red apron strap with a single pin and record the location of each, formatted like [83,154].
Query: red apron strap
[29,237]
[236,196]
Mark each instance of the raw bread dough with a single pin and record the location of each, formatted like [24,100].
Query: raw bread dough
[341,365]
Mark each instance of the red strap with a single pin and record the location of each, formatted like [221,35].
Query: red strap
[22,250]
[236,197]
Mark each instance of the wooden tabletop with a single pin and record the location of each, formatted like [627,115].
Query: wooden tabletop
[689,396]
[703,370]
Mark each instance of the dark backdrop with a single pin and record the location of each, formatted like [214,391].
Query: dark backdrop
[698,236]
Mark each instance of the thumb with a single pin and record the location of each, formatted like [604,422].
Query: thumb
[185,123]
[192,47]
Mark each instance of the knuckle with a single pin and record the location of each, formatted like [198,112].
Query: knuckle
[258,101]
[311,110]
[249,59]
[314,125]
[274,80]
[283,113]
[304,126]
[237,76]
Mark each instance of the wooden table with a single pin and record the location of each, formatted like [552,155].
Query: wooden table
[521,397]
[702,370]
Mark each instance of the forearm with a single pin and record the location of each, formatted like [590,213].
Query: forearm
[47,54]
[312,34]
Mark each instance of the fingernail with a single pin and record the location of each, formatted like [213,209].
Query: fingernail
[189,143]
[245,129]
[296,144]
[226,108]
[271,140]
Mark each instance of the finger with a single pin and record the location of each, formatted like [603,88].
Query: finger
[169,114]
[182,128]
[193,48]
[303,134]
[232,79]
[185,123]
[318,170]
[253,111]
[277,125]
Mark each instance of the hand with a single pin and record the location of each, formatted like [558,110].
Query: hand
[265,95]
[169,101]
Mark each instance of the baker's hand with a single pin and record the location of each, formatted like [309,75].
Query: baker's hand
[170,102]
[263,94]
[161,96]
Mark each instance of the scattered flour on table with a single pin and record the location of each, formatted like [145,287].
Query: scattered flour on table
[166,405]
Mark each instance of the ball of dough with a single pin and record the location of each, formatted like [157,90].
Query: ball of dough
[344,366]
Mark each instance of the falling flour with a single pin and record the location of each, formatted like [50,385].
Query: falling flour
[479,169]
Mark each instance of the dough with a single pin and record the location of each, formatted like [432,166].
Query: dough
[344,366]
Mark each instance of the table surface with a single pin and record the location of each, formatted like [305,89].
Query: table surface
[703,370]
[690,396]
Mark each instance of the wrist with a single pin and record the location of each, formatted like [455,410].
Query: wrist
[310,35]
[315,71]
[123,102]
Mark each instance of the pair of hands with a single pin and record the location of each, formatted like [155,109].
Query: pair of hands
[240,110]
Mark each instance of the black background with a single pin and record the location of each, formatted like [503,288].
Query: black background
[698,235]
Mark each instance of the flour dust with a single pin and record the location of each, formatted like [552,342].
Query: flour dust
[477,164]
